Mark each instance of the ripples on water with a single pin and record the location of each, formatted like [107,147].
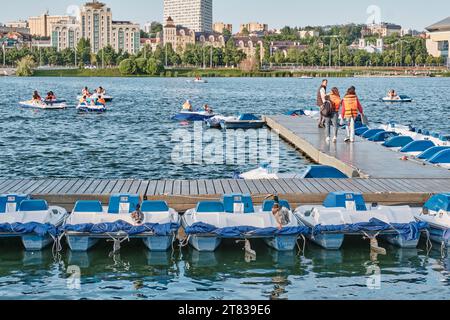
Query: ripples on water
[133,139]
[139,274]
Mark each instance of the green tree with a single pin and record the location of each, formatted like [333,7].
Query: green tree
[226,33]
[154,67]
[127,67]
[107,56]
[419,60]
[155,27]
[84,51]
[25,67]
[430,60]
[408,60]
[141,65]
[68,57]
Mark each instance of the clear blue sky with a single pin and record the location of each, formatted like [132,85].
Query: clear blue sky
[410,14]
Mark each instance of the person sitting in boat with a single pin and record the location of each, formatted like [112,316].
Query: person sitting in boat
[392,95]
[137,215]
[36,97]
[207,109]
[83,100]
[187,106]
[281,215]
[93,101]
[85,92]
[50,96]
[101,100]
[100,91]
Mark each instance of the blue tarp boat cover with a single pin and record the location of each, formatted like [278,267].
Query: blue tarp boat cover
[122,226]
[439,202]
[245,231]
[408,231]
[34,228]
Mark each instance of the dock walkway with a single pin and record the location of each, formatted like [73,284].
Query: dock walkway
[184,194]
[363,158]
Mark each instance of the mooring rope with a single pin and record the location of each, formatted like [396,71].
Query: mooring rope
[301,250]
[117,241]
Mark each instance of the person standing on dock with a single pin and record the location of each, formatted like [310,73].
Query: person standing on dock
[321,93]
[351,108]
[330,112]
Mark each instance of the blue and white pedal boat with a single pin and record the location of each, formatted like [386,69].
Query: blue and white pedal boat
[266,171]
[243,121]
[215,122]
[400,99]
[345,213]
[312,112]
[44,105]
[34,221]
[436,213]
[87,108]
[90,222]
[193,116]
[236,218]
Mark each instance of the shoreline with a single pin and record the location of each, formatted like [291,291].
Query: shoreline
[236,73]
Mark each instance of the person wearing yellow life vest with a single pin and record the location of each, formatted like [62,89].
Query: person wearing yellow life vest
[351,107]
[187,106]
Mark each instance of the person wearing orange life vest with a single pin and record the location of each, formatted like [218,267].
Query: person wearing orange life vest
[351,107]
[101,100]
[335,99]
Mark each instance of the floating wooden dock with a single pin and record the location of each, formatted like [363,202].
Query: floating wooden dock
[184,194]
[363,158]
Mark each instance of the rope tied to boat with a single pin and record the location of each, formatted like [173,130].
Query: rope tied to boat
[301,250]
[117,241]
[250,254]
[429,244]
[374,243]
[184,242]
[444,249]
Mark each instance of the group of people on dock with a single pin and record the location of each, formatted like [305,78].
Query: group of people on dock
[334,111]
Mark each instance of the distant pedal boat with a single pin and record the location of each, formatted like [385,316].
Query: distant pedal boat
[87,108]
[44,105]
[244,121]
[91,222]
[193,116]
[33,221]
[345,213]
[401,99]
[236,218]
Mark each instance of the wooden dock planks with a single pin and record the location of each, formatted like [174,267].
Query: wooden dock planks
[184,194]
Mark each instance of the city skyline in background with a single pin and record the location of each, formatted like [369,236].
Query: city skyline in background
[276,15]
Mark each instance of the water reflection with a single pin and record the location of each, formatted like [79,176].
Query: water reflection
[137,273]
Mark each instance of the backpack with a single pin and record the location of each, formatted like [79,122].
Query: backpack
[327,110]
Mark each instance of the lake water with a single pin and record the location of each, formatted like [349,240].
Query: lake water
[139,274]
[133,140]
